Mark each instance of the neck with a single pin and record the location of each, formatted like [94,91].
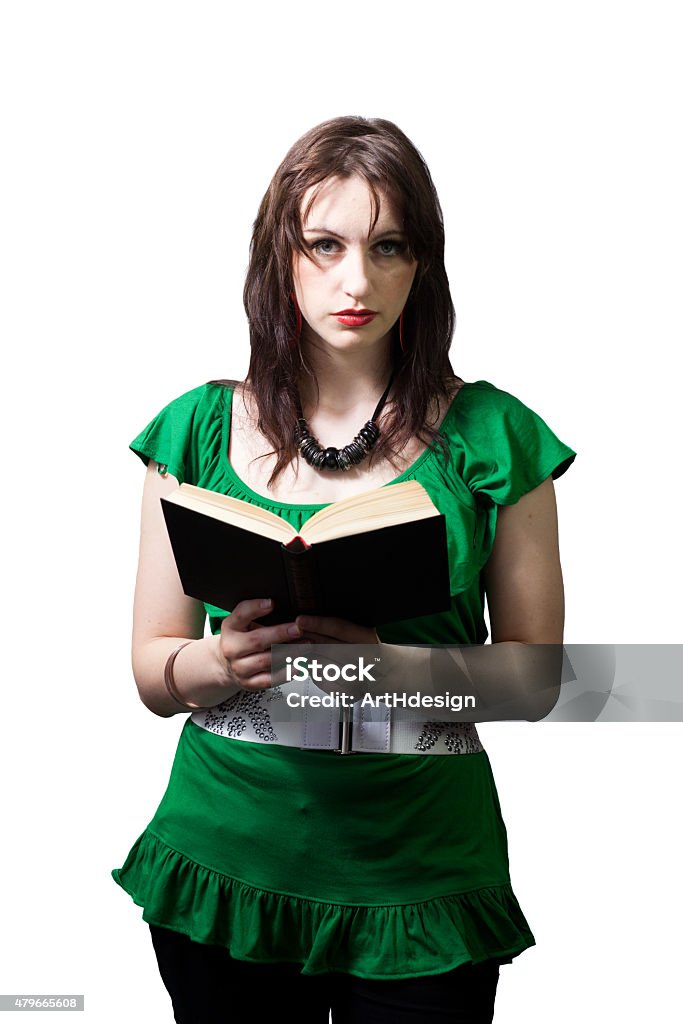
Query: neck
[344,379]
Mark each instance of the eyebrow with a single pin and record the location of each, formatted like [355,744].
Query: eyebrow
[328,231]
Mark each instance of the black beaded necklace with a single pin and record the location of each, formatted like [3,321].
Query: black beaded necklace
[340,458]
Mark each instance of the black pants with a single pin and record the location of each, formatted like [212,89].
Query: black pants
[207,986]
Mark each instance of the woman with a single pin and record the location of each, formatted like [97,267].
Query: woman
[376,884]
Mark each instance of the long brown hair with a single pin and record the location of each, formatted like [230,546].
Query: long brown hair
[379,153]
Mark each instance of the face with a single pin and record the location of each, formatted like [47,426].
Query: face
[350,270]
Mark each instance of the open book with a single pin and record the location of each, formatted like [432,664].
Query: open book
[375,557]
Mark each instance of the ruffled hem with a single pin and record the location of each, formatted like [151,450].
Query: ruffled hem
[374,942]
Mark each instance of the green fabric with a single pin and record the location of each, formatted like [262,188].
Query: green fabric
[384,866]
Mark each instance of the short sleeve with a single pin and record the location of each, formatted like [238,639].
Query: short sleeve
[510,449]
[175,437]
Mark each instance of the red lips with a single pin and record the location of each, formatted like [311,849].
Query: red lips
[356,312]
[355,318]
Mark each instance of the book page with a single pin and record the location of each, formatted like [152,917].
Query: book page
[233,511]
[371,510]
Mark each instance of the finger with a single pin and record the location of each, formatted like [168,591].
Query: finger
[244,613]
[254,641]
[253,672]
[333,628]
[318,638]
[262,681]
[245,668]
[245,665]
[278,675]
[285,633]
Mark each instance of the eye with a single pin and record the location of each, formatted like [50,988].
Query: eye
[324,246]
[391,247]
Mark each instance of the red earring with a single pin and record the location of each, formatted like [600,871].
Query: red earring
[297,311]
[400,333]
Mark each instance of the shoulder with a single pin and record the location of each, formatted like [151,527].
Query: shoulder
[467,397]
[508,448]
[201,403]
[183,429]
[200,397]
[482,394]
[480,409]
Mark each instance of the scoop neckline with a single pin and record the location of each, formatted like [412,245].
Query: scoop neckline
[263,500]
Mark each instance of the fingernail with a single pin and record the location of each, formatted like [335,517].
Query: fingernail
[266,603]
[293,631]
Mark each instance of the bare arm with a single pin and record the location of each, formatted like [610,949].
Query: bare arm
[163,617]
[518,674]
[525,596]
[211,668]
[523,576]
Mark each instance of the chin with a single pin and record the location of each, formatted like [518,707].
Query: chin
[355,344]
[354,337]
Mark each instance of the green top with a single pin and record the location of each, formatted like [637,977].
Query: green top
[499,450]
[381,865]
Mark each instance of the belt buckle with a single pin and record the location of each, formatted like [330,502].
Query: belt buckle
[345,732]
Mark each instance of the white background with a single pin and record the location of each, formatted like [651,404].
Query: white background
[138,139]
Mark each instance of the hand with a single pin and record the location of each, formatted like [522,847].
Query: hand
[244,646]
[326,630]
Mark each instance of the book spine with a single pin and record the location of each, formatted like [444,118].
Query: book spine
[299,565]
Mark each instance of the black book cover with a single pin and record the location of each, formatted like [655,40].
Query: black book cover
[397,572]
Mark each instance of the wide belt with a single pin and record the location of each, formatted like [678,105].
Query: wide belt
[260,716]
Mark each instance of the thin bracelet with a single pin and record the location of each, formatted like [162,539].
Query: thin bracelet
[170,681]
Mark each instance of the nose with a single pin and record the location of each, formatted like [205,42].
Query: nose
[356,273]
